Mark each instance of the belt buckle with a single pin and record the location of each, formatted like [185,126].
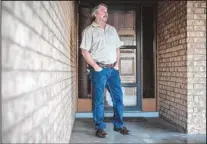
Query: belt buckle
[102,65]
[105,65]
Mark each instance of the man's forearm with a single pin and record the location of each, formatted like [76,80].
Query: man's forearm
[117,57]
[87,56]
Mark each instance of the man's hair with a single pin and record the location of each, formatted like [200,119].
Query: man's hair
[96,8]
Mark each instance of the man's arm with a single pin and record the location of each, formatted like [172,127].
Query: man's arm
[87,56]
[85,47]
[118,45]
[117,59]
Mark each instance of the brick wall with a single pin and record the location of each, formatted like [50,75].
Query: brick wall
[171,58]
[38,71]
[196,39]
[181,56]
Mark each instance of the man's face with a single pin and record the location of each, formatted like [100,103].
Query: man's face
[102,13]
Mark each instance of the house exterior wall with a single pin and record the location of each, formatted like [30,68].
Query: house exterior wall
[196,63]
[39,43]
[181,56]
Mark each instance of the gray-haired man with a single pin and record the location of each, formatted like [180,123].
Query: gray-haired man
[100,48]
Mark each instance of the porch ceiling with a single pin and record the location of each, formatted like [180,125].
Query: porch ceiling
[115,2]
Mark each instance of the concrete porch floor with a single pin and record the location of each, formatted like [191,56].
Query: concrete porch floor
[149,130]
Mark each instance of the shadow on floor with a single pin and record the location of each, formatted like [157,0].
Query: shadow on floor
[150,130]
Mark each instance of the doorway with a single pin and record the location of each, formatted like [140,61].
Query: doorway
[135,26]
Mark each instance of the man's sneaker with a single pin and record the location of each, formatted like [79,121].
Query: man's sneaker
[123,130]
[101,133]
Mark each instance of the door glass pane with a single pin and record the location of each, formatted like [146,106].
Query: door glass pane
[128,65]
[129,97]
[128,40]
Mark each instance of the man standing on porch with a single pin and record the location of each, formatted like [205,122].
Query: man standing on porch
[100,48]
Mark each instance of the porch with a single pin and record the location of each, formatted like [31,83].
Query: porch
[143,130]
[43,96]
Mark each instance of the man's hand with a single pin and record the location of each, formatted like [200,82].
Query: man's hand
[97,68]
[90,60]
[116,67]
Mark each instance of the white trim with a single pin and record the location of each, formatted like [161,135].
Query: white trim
[126,114]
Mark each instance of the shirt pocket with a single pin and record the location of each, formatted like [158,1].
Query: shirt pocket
[97,37]
[111,39]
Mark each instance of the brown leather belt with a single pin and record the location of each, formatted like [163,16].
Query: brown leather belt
[105,65]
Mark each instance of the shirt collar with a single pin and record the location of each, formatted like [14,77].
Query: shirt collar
[97,25]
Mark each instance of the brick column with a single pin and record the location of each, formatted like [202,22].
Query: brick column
[196,60]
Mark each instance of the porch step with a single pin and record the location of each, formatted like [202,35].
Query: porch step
[127,119]
[126,114]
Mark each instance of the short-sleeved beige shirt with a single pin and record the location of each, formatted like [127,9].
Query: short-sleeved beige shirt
[101,42]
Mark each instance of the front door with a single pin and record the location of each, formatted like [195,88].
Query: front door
[127,23]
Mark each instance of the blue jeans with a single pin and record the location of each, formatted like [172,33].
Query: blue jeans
[109,78]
